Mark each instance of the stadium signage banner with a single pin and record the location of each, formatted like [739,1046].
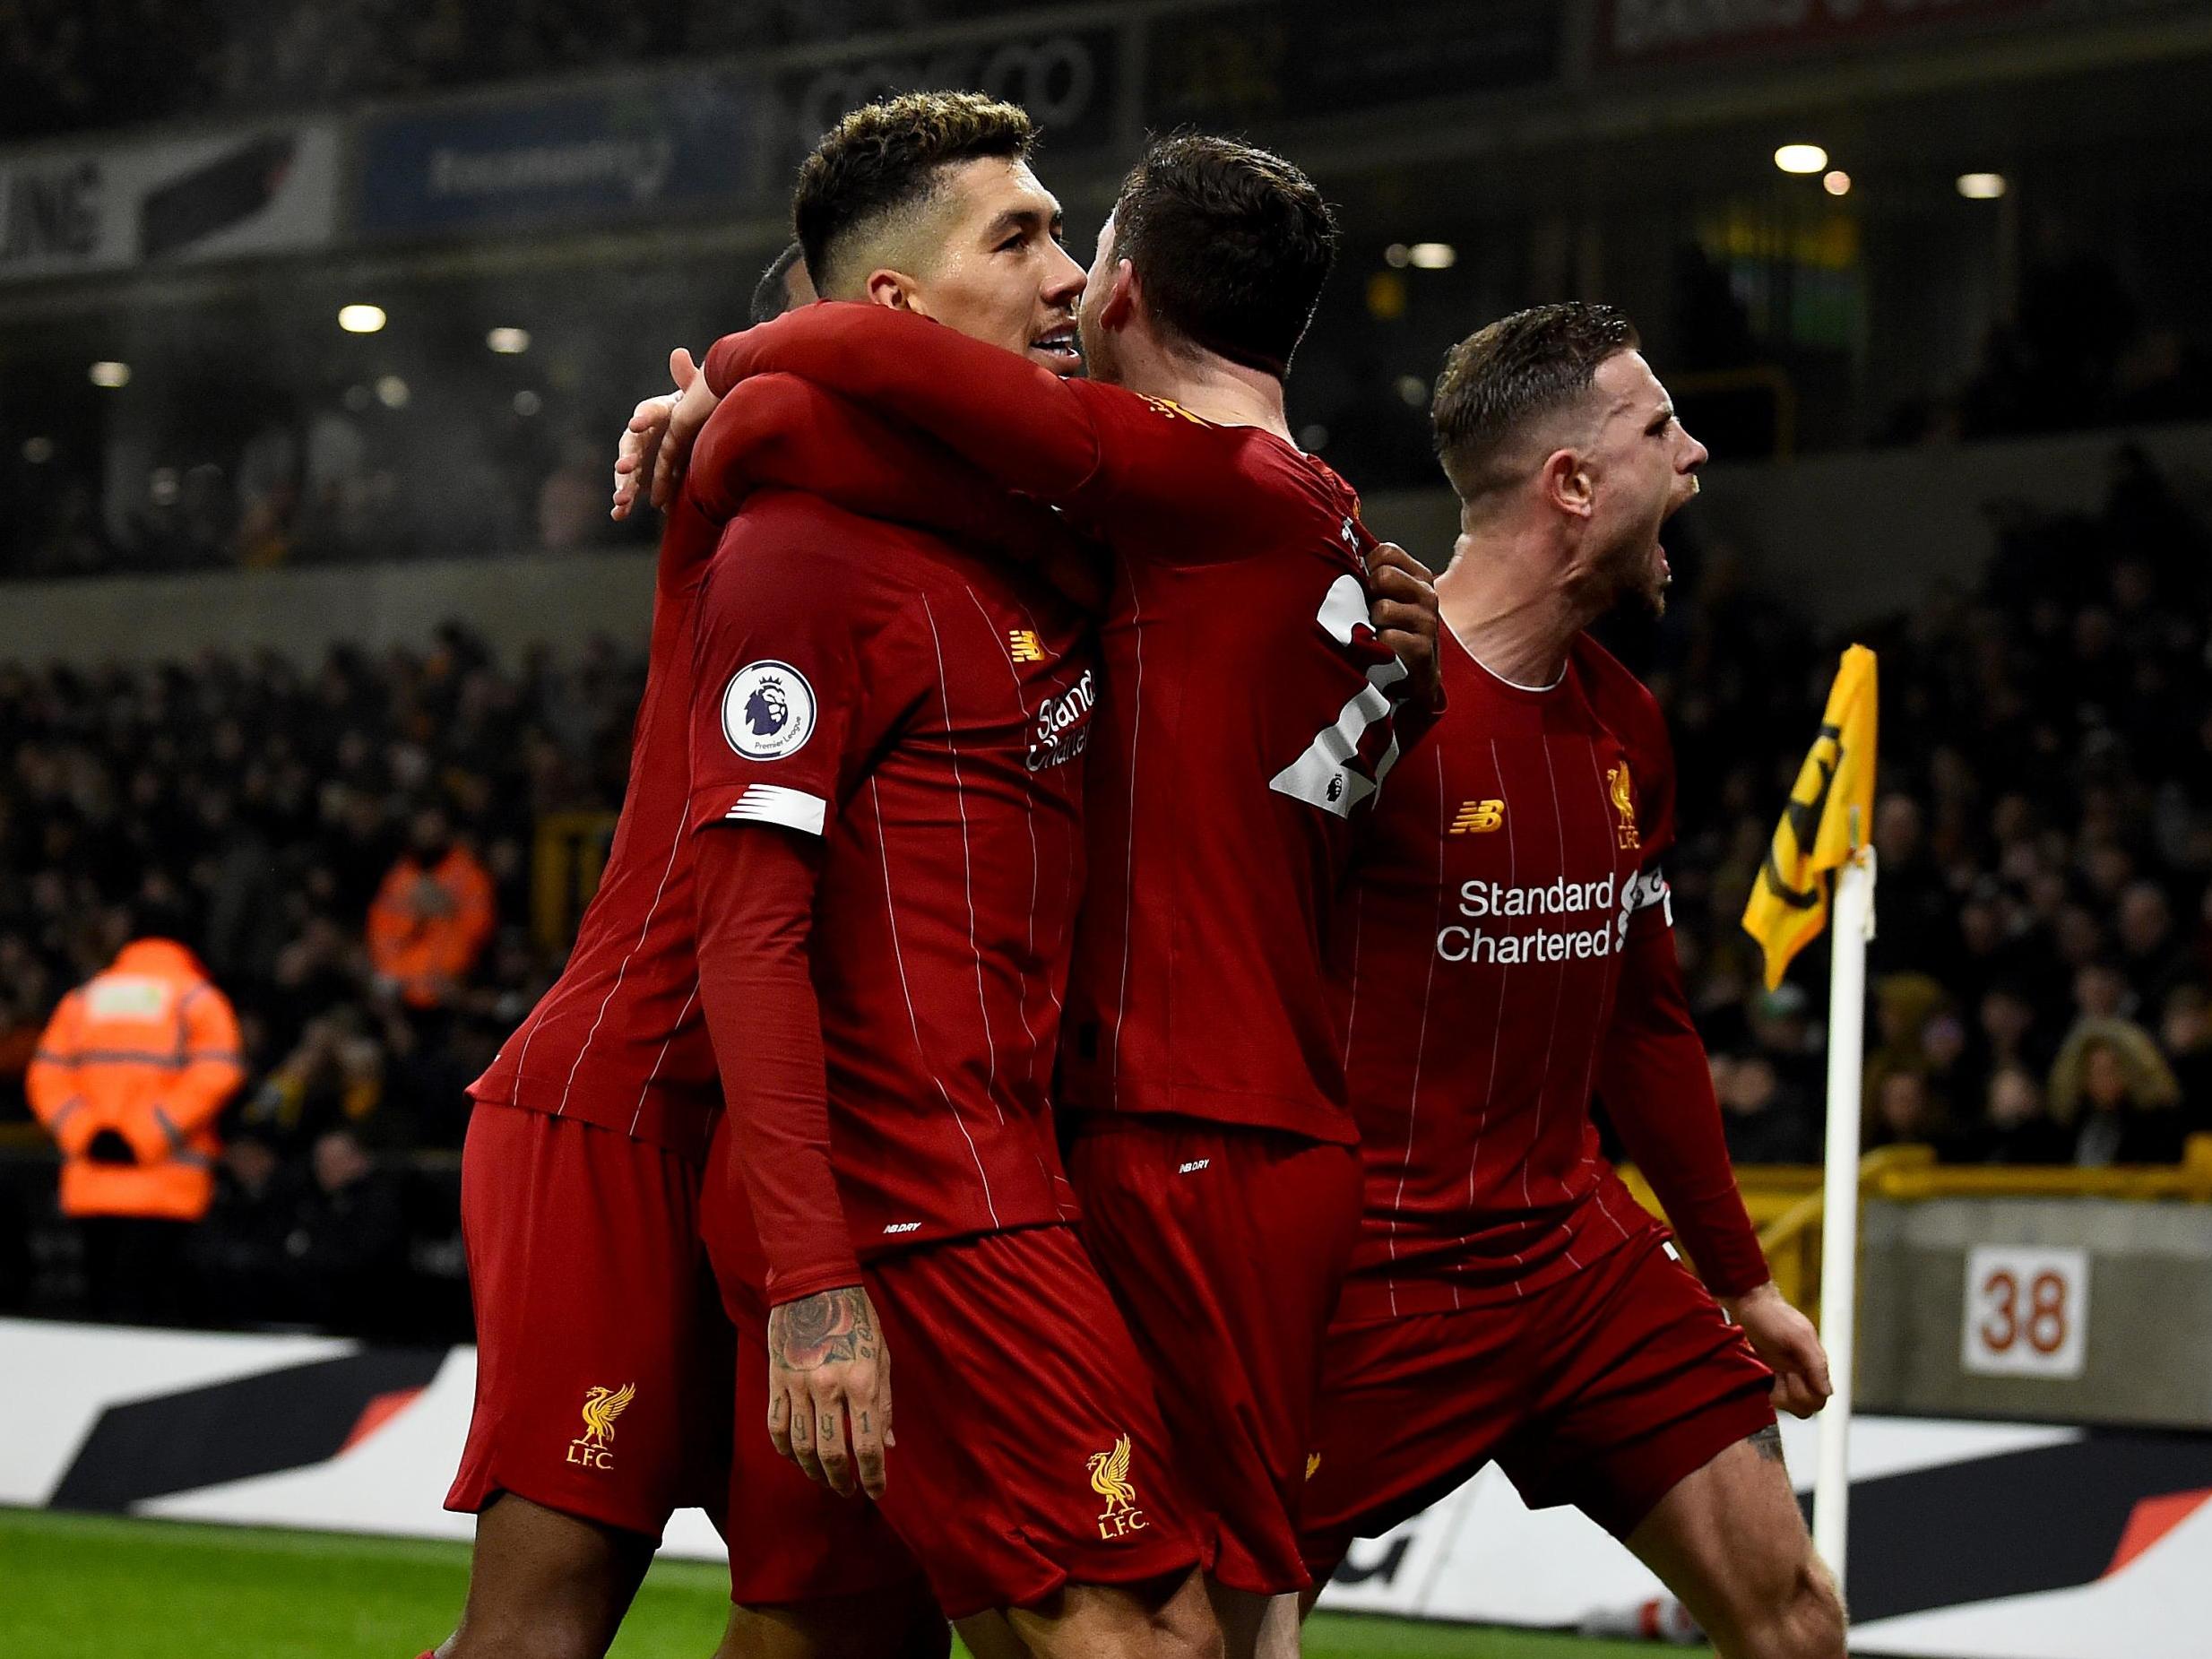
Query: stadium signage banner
[1069,79]
[608,154]
[213,196]
[1265,61]
[1643,31]
[1969,1540]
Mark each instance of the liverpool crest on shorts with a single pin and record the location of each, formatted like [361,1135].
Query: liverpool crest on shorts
[1110,1478]
[594,1448]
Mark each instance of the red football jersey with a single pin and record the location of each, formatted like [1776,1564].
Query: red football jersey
[1512,870]
[1250,713]
[618,1040]
[924,711]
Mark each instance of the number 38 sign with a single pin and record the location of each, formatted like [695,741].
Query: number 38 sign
[2027,1311]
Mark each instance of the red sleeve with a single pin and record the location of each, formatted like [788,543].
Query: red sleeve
[776,430]
[1022,424]
[1652,1074]
[756,903]
[779,716]
[1658,1090]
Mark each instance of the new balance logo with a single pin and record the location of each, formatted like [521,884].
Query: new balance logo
[1023,645]
[1194,1166]
[1479,817]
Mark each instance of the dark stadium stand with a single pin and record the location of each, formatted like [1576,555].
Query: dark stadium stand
[65,66]
[2045,829]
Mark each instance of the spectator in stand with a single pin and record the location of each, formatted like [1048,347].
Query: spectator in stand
[2014,1126]
[2185,1032]
[129,1078]
[238,1250]
[1905,1113]
[2011,1032]
[2151,957]
[432,917]
[2115,1092]
[1905,1007]
[1765,1120]
[345,1250]
[333,1078]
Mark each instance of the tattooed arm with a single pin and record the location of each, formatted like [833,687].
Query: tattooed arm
[829,1378]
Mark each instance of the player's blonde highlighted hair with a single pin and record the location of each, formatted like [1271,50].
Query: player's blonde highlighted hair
[883,162]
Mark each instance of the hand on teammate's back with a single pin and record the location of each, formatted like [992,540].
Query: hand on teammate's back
[686,422]
[1403,613]
[644,445]
[829,1389]
[1786,1340]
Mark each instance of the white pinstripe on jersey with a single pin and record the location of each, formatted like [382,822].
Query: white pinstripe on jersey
[922,1050]
[1421,1037]
[967,865]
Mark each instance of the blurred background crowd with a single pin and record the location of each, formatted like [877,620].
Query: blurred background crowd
[353,285]
[2040,977]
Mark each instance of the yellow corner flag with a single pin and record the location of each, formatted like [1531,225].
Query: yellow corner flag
[1831,811]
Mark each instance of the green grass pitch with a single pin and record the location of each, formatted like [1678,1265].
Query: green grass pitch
[98,1587]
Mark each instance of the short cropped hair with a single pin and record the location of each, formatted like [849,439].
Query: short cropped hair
[884,160]
[771,294]
[1519,370]
[1231,244]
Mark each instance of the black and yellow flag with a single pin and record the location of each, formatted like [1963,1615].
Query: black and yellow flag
[1830,813]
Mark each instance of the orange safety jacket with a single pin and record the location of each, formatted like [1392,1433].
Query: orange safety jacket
[149,1049]
[426,927]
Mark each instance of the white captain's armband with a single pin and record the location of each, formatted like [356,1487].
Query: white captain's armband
[1648,887]
[772,803]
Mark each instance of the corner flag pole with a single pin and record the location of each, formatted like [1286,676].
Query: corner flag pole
[1854,925]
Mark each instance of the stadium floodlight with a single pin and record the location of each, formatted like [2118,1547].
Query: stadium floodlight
[360,319]
[528,402]
[1982,186]
[508,341]
[110,375]
[1835,182]
[392,392]
[1432,255]
[1801,159]
[37,451]
[1397,256]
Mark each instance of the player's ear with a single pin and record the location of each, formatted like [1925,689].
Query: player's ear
[894,289]
[1566,484]
[1120,295]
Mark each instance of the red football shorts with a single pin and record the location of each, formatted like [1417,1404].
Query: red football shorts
[1603,1390]
[1226,1247]
[1030,1450]
[602,1363]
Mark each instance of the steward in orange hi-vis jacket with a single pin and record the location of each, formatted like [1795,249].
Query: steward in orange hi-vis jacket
[128,1078]
[432,917]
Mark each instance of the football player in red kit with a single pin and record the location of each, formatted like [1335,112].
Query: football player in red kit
[1251,709]
[1510,1299]
[604,1384]
[889,720]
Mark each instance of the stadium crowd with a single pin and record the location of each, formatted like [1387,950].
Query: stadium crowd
[310,475]
[68,65]
[2045,831]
